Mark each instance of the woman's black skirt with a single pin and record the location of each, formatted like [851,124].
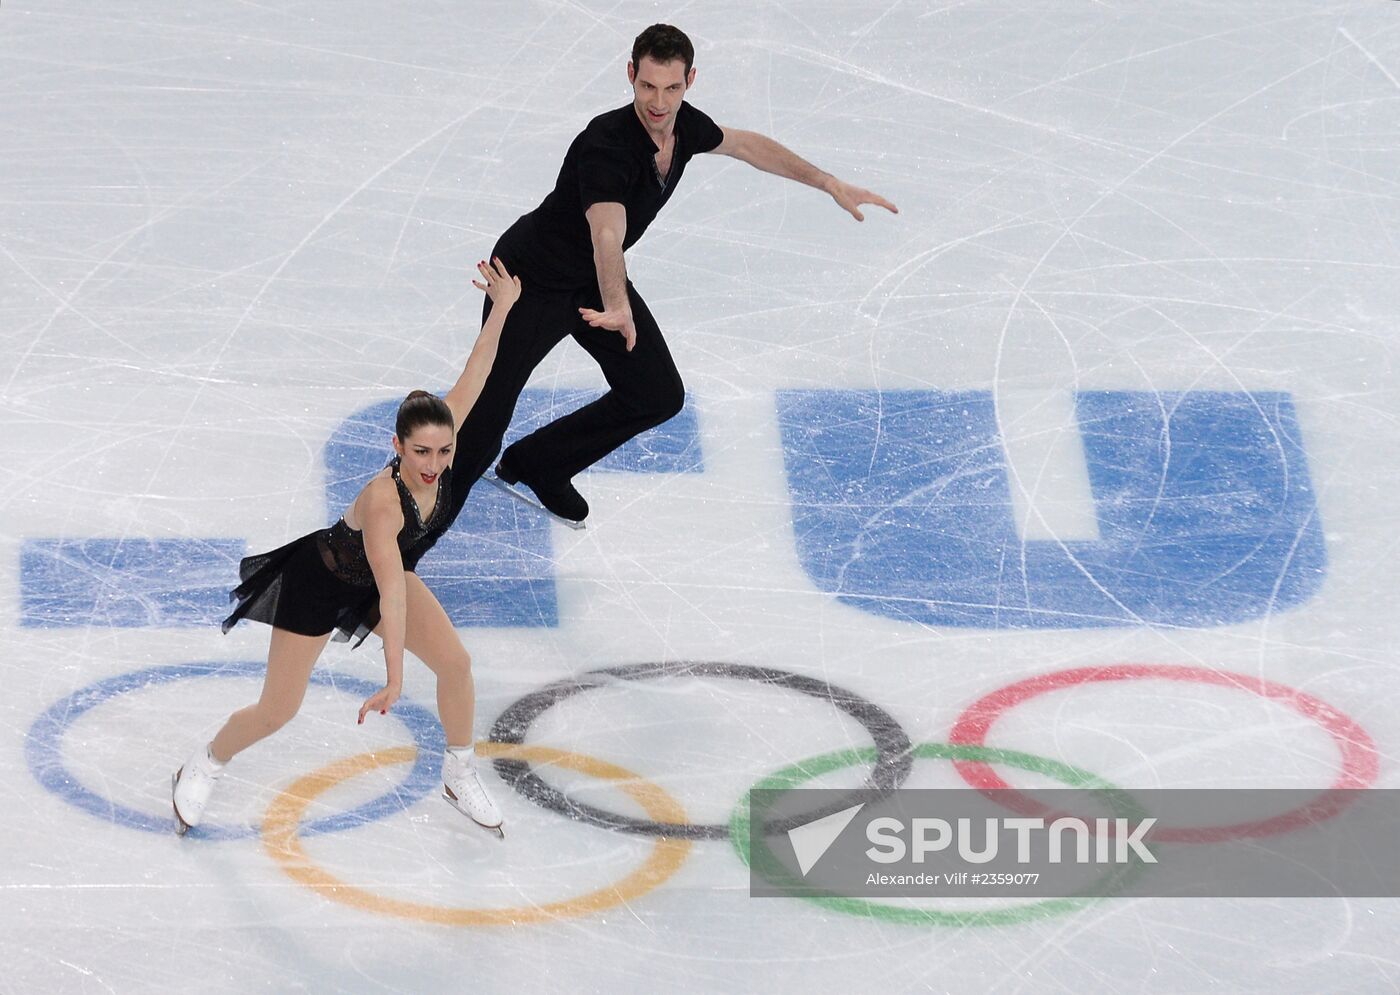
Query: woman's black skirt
[293,588]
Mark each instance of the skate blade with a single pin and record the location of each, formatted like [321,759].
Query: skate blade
[181,826]
[490,475]
[500,833]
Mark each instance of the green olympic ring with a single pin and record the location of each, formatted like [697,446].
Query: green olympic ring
[791,776]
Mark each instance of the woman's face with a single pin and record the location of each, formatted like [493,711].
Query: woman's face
[425,454]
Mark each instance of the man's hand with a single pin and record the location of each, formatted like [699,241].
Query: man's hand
[617,321]
[763,153]
[851,198]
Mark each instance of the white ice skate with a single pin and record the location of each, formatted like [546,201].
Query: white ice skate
[463,790]
[190,788]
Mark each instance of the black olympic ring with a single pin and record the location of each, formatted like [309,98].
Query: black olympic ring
[894,752]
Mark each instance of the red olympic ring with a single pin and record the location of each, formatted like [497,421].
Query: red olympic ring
[1359,767]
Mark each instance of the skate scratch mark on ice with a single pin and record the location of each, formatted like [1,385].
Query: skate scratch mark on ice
[1137,56]
[1330,109]
[653,488]
[1013,470]
[1386,72]
[66,303]
[531,96]
[1278,583]
[413,207]
[860,33]
[275,43]
[87,973]
[996,383]
[1122,181]
[279,12]
[329,216]
[912,266]
[625,592]
[599,19]
[1367,52]
[1070,228]
[1245,286]
[1218,359]
[803,54]
[159,464]
[924,495]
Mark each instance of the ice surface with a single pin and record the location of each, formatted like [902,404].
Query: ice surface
[1116,386]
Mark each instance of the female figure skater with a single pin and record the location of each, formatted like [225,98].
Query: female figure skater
[357,576]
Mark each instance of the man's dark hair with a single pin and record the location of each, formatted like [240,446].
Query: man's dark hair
[663,43]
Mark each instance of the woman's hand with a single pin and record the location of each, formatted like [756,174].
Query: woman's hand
[381,701]
[500,286]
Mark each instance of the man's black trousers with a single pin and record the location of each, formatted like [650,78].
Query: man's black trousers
[645,388]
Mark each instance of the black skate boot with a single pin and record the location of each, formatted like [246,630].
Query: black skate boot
[562,501]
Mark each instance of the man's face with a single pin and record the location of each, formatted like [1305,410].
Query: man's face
[659,88]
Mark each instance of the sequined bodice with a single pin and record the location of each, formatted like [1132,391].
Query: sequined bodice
[343,549]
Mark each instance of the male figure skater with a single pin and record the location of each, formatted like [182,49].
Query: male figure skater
[568,252]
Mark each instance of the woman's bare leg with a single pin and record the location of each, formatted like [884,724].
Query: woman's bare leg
[430,637]
[290,659]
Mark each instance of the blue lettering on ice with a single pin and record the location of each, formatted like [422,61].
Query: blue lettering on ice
[495,567]
[902,508]
[66,583]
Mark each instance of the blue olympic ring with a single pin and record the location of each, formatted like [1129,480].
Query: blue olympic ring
[44,751]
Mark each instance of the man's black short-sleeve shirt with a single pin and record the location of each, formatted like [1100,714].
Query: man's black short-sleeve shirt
[611,160]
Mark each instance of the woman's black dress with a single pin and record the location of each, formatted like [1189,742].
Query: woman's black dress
[323,580]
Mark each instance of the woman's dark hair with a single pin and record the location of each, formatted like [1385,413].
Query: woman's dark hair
[418,409]
[663,43]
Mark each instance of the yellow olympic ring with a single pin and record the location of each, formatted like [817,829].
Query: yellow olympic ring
[281,838]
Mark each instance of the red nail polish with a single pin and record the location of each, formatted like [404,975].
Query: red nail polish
[384,712]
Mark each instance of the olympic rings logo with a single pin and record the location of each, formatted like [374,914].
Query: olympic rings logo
[281,839]
[44,750]
[890,758]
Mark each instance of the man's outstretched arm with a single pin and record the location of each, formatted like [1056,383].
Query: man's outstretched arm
[763,153]
[607,222]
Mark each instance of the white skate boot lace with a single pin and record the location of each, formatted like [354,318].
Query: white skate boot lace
[206,769]
[195,785]
[465,781]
